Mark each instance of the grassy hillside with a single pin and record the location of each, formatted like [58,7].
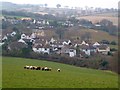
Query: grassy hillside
[96,35]
[14,75]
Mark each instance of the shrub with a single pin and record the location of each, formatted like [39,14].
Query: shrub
[113,43]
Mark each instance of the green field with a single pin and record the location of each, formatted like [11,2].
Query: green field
[0,72]
[15,76]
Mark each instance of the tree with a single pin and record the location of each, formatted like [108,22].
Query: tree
[60,31]
[78,51]
[113,43]
[15,29]
[104,64]
[45,4]
[114,62]
[58,5]
[26,52]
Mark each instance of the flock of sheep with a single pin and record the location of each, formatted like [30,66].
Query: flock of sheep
[39,68]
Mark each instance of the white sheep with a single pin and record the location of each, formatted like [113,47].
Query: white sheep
[58,70]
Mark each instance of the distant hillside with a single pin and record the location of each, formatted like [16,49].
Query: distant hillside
[98,17]
[12,7]
[8,6]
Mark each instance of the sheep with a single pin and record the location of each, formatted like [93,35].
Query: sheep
[42,68]
[46,68]
[38,68]
[58,70]
[50,69]
[26,67]
[31,67]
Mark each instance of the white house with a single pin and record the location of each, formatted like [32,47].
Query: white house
[66,42]
[44,22]
[23,36]
[87,49]
[22,41]
[52,40]
[5,38]
[33,35]
[1,43]
[34,21]
[47,23]
[13,34]
[42,49]
[96,44]
[70,51]
[84,43]
[97,25]
[104,49]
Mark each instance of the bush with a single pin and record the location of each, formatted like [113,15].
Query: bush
[113,43]
[105,42]
[113,49]
[91,62]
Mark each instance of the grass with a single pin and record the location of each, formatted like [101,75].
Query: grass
[0,72]
[18,17]
[14,76]
[114,46]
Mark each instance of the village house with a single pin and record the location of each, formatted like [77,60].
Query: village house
[67,50]
[5,38]
[88,49]
[67,42]
[1,42]
[104,49]
[45,49]
[13,34]
[96,44]
[23,36]
[85,49]
[27,41]
[25,18]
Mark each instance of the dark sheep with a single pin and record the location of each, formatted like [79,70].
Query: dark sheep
[48,69]
[38,68]
[34,67]
[42,68]
[25,67]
